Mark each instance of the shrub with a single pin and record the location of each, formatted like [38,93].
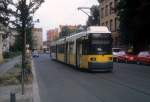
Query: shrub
[10,54]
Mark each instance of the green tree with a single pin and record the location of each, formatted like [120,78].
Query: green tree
[4,12]
[23,13]
[66,31]
[134,23]
[94,19]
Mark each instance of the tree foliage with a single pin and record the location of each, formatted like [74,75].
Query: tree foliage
[134,23]
[66,30]
[21,14]
[4,12]
[94,19]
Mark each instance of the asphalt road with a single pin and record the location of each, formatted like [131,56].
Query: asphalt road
[61,83]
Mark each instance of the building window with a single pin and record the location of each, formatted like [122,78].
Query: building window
[106,10]
[115,5]
[102,12]
[111,25]
[107,23]
[116,24]
[110,8]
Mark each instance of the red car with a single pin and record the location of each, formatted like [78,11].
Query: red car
[120,53]
[143,57]
[127,57]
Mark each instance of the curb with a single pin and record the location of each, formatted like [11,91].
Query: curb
[36,96]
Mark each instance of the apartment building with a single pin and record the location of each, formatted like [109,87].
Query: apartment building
[108,17]
[52,34]
[37,38]
[71,28]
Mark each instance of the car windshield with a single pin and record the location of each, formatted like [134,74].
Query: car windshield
[121,53]
[116,49]
[144,54]
[100,44]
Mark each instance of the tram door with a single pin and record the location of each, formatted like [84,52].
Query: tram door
[56,52]
[78,52]
[66,52]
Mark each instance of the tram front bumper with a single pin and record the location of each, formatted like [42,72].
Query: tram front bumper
[99,66]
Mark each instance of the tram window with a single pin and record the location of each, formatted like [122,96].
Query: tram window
[61,48]
[100,49]
[71,47]
[85,44]
[100,35]
[53,49]
[100,44]
[98,41]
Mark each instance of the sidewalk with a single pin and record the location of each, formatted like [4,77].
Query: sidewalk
[8,65]
[36,96]
[5,90]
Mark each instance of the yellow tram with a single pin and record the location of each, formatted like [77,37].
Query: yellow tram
[91,49]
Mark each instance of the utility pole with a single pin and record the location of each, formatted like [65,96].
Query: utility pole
[83,10]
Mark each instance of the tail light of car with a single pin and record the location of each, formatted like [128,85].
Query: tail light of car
[131,58]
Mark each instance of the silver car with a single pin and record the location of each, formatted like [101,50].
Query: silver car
[35,54]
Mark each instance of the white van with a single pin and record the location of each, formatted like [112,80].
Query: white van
[115,52]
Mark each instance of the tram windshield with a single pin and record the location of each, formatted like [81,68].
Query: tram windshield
[100,44]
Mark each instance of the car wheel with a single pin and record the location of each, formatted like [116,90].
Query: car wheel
[138,62]
[126,61]
[117,60]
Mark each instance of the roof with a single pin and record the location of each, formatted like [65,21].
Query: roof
[91,29]
[98,29]
[61,41]
[76,36]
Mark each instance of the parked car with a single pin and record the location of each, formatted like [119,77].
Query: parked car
[35,53]
[143,57]
[47,52]
[127,57]
[119,54]
[115,52]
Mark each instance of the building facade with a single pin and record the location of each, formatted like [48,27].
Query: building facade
[65,30]
[37,38]
[52,35]
[109,18]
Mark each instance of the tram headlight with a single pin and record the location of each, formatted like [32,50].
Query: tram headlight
[93,59]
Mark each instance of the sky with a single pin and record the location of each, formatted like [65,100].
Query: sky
[53,13]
